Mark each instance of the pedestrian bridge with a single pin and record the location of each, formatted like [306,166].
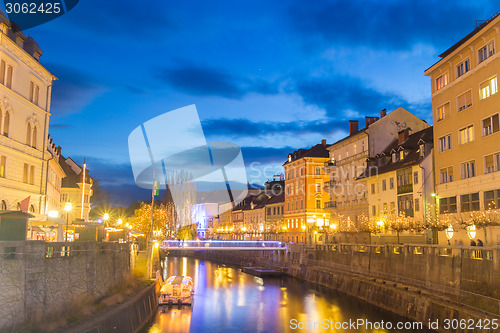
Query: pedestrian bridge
[220,245]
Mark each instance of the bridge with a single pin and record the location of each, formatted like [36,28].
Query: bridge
[221,245]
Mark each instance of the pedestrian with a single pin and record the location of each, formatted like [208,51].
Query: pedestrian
[472,243]
[449,242]
[479,242]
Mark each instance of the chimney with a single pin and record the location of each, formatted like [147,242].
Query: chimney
[370,120]
[353,126]
[323,142]
[383,113]
[403,135]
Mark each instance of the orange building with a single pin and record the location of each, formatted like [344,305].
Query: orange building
[306,220]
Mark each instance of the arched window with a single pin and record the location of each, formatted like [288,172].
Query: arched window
[32,209]
[3,206]
[28,134]
[33,141]
[18,206]
[6,122]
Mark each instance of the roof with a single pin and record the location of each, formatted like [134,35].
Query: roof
[276,199]
[318,150]
[466,38]
[72,178]
[411,145]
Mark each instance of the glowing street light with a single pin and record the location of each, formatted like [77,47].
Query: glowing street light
[119,222]
[67,207]
[105,217]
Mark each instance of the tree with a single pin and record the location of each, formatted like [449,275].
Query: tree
[142,220]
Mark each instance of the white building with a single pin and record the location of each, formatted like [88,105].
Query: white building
[25,90]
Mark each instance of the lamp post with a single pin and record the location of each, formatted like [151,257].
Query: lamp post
[67,207]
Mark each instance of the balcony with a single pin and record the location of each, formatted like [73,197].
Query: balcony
[330,205]
[408,188]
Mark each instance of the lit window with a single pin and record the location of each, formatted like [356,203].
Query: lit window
[490,125]
[3,161]
[318,187]
[492,199]
[468,169]
[463,68]
[446,175]
[318,203]
[443,111]
[464,101]
[466,135]
[401,155]
[492,163]
[485,52]
[441,81]
[488,88]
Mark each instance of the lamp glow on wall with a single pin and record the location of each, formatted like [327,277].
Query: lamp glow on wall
[471,231]
[450,232]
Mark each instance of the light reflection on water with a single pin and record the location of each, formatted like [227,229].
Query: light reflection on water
[227,300]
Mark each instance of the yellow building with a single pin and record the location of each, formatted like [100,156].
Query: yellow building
[465,109]
[75,190]
[306,220]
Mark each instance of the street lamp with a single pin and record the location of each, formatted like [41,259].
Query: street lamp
[105,217]
[67,207]
[119,222]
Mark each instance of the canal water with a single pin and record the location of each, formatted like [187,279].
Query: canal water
[227,300]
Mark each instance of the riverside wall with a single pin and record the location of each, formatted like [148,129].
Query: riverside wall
[39,279]
[419,282]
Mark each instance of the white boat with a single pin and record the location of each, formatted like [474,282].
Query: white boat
[177,290]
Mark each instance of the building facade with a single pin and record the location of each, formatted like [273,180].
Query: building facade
[348,192]
[465,99]
[274,220]
[76,189]
[400,187]
[25,90]
[305,216]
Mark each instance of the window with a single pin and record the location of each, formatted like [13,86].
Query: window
[318,187]
[391,183]
[492,199]
[268,209]
[34,93]
[468,169]
[4,205]
[463,68]
[443,111]
[384,185]
[3,160]
[374,210]
[466,135]
[405,205]
[485,52]
[32,175]
[393,157]
[301,171]
[441,81]
[447,205]
[488,88]
[444,143]
[469,202]
[421,150]
[318,171]
[3,66]
[492,163]
[464,101]
[318,203]
[8,81]
[33,139]
[6,123]
[393,207]
[417,205]
[373,188]
[401,155]
[490,125]
[385,207]
[25,173]
[446,175]
[301,204]
[28,134]
[415,177]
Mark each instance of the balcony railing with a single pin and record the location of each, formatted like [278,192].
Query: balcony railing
[405,188]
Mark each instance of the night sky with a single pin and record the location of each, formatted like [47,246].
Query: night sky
[270,76]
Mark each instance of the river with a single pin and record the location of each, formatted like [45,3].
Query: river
[227,300]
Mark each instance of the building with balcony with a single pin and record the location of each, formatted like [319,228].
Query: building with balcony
[305,215]
[400,187]
[465,99]
[347,159]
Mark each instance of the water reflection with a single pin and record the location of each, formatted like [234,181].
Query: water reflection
[227,300]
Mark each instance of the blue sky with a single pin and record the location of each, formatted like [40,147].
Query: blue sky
[269,76]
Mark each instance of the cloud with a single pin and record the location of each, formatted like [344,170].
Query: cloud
[266,155]
[73,90]
[382,24]
[206,81]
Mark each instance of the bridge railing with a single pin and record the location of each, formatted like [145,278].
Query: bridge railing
[221,244]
